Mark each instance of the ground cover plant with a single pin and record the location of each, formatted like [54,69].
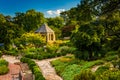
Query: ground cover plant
[3,67]
[68,67]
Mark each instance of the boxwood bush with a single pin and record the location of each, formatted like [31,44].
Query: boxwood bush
[109,75]
[3,67]
[101,69]
[85,75]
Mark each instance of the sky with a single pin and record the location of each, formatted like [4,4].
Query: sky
[50,8]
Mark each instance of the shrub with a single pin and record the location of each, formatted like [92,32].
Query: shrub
[109,75]
[85,75]
[116,63]
[111,53]
[3,62]
[31,39]
[3,69]
[37,73]
[81,55]
[12,51]
[102,69]
[110,58]
[66,50]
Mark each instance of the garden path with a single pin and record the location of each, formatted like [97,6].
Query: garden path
[10,59]
[47,70]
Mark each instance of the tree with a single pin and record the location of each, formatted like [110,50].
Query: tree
[57,22]
[31,39]
[30,20]
[88,40]
[2,18]
[8,30]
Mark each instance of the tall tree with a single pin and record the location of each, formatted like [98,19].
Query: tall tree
[57,22]
[30,20]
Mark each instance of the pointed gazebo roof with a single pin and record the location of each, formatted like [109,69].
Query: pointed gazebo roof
[44,29]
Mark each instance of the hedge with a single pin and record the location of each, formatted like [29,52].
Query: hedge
[34,68]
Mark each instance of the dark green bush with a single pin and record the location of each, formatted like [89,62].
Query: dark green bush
[85,75]
[116,63]
[3,62]
[81,55]
[3,69]
[37,73]
[13,52]
[66,50]
[110,58]
[110,75]
[102,69]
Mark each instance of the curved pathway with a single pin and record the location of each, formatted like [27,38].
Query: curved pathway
[47,70]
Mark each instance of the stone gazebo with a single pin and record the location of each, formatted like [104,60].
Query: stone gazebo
[46,31]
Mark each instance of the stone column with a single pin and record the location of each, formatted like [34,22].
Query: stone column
[47,37]
[53,37]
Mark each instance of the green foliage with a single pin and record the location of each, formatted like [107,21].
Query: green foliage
[116,63]
[30,20]
[82,55]
[31,39]
[66,50]
[38,74]
[34,68]
[50,52]
[110,58]
[3,69]
[87,40]
[101,69]
[12,51]
[59,66]
[70,71]
[90,64]
[2,18]
[109,75]
[9,32]
[3,62]
[85,75]
[55,22]
[68,67]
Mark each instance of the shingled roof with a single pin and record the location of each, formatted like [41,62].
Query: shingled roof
[44,29]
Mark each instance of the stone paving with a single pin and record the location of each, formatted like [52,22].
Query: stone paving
[47,70]
[10,59]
